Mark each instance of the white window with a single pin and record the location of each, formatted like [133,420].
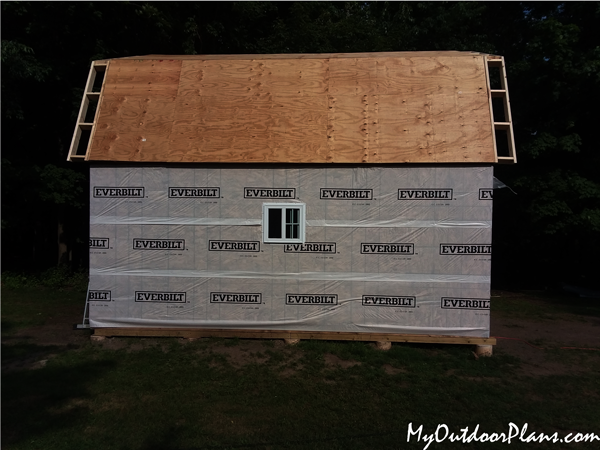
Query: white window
[284,222]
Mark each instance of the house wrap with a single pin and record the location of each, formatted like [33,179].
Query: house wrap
[314,192]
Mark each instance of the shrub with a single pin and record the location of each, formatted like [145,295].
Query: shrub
[61,277]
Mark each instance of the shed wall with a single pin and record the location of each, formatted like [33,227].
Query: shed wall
[436,282]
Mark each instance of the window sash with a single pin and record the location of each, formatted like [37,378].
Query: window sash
[284,222]
[292,223]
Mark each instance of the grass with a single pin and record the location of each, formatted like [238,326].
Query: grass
[34,306]
[242,394]
[32,300]
[541,305]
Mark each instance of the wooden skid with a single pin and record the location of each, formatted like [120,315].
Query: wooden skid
[282,334]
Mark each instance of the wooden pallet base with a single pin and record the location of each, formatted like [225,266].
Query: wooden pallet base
[281,334]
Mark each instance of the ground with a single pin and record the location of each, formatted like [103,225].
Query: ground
[537,325]
[63,390]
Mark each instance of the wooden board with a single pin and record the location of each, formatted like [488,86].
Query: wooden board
[343,108]
[307,55]
[276,334]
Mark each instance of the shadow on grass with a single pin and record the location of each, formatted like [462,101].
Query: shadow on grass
[341,441]
[8,327]
[35,402]
[23,353]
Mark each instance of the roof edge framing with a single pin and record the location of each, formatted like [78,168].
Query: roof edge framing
[251,57]
[88,112]
[502,126]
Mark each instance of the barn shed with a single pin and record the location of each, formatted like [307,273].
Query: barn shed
[325,196]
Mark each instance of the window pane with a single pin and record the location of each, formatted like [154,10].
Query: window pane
[291,231]
[291,216]
[275,223]
[292,223]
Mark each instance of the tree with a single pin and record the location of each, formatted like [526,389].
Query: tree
[553,63]
[554,79]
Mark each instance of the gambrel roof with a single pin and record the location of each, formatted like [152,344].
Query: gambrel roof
[395,107]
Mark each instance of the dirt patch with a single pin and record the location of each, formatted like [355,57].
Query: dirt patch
[553,333]
[391,370]
[112,402]
[540,343]
[480,379]
[115,343]
[289,371]
[242,354]
[58,330]
[29,362]
[335,361]
[34,346]
[548,346]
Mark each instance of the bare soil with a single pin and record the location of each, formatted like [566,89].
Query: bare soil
[545,345]
[550,345]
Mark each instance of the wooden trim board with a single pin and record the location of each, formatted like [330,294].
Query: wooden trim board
[283,334]
[308,55]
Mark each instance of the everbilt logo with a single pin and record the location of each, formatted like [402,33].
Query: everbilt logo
[254,192]
[163,297]
[486,194]
[100,296]
[465,249]
[159,244]
[388,249]
[310,247]
[319,299]
[346,194]
[233,297]
[424,194]
[465,303]
[233,246]
[388,300]
[99,242]
[114,192]
[194,192]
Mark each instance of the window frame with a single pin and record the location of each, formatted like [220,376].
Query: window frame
[301,223]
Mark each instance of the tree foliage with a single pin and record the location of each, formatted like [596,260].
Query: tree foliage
[553,61]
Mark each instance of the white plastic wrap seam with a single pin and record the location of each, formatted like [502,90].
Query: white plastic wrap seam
[124,220]
[206,221]
[314,276]
[398,224]
[280,324]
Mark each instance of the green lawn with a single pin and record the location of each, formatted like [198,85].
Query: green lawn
[236,394]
